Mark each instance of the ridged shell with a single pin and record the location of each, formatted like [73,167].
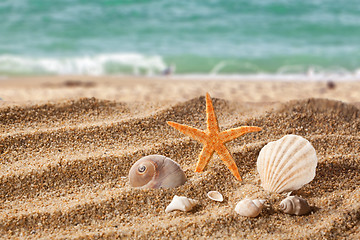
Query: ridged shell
[156,171]
[295,205]
[286,164]
[249,208]
[181,203]
[216,196]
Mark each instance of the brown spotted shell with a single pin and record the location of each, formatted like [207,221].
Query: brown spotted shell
[156,171]
[295,205]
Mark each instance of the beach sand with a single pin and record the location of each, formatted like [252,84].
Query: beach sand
[67,144]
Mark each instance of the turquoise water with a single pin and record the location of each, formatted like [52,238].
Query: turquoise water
[212,37]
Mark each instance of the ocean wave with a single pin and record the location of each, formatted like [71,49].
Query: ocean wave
[180,67]
[104,64]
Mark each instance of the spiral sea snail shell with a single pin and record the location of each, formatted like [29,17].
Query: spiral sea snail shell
[295,205]
[156,171]
[249,208]
[181,204]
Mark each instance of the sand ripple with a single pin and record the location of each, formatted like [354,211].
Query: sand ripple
[64,166]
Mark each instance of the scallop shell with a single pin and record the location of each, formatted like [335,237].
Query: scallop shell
[295,205]
[216,196]
[181,203]
[249,208]
[156,171]
[286,164]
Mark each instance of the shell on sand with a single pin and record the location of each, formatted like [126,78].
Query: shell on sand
[286,164]
[249,208]
[181,203]
[216,196]
[295,205]
[156,171]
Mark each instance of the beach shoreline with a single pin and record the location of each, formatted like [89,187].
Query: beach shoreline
[130,88]
[89,88]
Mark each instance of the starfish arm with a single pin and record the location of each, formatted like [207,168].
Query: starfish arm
[212,124]
[226,157]
[231,134]
[190,131]
[204,158]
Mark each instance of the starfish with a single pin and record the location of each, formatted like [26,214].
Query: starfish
[214,140]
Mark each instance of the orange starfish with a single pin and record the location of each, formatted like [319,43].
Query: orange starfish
[214,140]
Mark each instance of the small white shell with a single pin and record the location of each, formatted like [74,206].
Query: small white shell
[181,203]
[156,171]
[216,196]
[249,208]
[295,205]
[286,164]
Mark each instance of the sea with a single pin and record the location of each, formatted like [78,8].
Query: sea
[266,39]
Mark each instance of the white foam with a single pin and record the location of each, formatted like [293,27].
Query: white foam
[284,73]
[138,64]
[86,65]
[271,77]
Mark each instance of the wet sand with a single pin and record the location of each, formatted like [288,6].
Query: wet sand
[130,89]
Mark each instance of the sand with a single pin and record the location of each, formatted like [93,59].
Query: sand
[66,147]
[163,89]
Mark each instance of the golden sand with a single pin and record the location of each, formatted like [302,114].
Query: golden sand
[64,162]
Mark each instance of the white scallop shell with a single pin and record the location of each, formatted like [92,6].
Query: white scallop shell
[249,208]
[295,205]
[286,164]
[181,203]
[216,196]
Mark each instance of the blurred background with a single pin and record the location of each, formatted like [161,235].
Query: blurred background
[264,39]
